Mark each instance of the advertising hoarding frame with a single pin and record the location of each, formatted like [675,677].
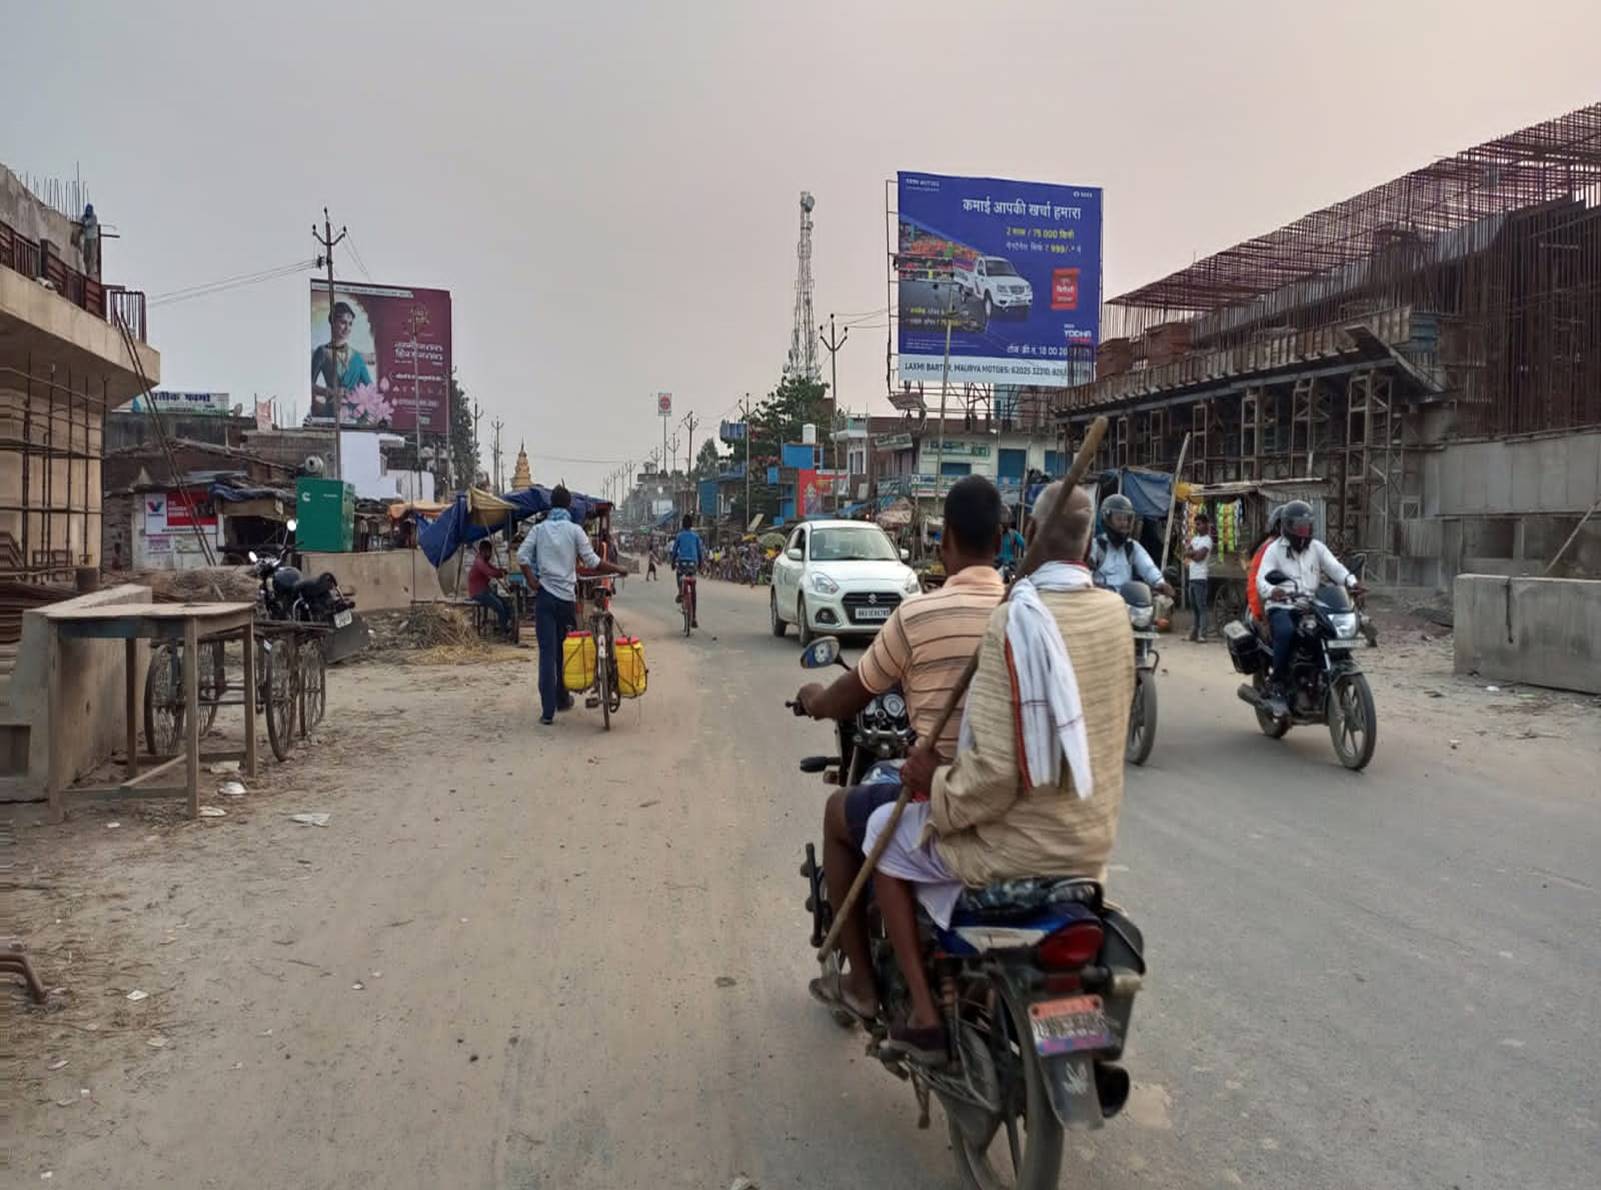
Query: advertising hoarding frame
[1044,240]
[394,363]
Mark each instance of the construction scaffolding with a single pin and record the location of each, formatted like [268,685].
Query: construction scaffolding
[50,451]
[1460,300]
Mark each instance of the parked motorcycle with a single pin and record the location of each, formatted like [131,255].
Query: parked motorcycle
[285,594]
[1325,683]
[1142,713]
[1037,976]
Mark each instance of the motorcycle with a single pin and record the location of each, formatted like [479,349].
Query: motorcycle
[285,595]
[1325,686]
[1038,978]
[1142,713]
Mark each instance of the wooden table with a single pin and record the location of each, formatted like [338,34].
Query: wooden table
[131,623]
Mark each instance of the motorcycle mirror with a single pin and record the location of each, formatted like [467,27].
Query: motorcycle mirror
[822,652]
[1277,576]
[252,556]
[290,524]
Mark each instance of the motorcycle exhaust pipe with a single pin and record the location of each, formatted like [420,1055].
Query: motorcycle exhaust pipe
[1248,694]
[1112,1085]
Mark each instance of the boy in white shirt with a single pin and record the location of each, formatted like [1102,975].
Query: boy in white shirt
[1200,559]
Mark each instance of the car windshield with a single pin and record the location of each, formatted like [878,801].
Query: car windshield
[866,544]
[999,268]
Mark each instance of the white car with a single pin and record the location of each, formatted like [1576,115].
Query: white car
[993,281]
[838,578]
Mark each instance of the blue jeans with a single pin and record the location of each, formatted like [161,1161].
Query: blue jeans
[1198,593]
[1281,623]
[491,600]
[553,620]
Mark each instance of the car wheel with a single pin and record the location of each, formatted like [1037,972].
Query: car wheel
[772,611]
[802,628]
[989,308]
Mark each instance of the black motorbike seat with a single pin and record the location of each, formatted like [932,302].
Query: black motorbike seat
[315,588]
[1010,899]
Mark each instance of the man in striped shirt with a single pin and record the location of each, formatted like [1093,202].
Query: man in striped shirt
[923,649]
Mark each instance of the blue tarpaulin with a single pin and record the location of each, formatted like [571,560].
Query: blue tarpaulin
[1149,491]
[455,526]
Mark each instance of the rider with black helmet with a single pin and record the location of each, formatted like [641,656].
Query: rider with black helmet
[1303,561]
[1115,557]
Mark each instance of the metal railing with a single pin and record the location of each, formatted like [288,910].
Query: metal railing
[32,259]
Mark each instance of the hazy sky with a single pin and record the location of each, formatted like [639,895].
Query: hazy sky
[609,190]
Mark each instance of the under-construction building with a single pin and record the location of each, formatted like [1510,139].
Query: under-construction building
[71,347]
[1423,359]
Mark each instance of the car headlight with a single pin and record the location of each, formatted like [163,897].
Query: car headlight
[912,585]
[824,585]
[1344,624]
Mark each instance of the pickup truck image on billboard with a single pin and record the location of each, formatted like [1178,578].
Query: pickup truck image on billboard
[1015,267]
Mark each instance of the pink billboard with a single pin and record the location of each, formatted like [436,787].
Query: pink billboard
[385,350]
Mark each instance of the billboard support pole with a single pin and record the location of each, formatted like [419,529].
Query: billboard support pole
[744,409]
[944,387]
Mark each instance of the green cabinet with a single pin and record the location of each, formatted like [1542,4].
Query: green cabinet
[325,510]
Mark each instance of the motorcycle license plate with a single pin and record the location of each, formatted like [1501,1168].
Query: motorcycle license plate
[872,613]
[1069,1026]
[342,619]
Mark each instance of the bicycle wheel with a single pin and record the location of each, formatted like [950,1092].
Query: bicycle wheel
[603,664]
[313,685]
[278,694]
[164,700]
[213,681]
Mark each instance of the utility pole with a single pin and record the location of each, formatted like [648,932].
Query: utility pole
[834,342]
[672,486]
[745,412]
[692,498]
[477,413]
[497,425]
[326,241]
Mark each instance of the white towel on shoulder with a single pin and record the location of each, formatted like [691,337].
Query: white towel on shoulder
[1050,713]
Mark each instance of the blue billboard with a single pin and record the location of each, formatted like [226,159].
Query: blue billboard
[1014,267]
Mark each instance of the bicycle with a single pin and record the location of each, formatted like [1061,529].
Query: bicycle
[602,625]
[688,596]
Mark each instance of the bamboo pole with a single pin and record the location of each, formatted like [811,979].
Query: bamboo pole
[1032,560]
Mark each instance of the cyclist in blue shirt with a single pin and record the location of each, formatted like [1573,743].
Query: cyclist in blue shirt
[687,554]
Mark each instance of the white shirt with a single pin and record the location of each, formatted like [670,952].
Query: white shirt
[1202,570]
[552,552]
[1303,570]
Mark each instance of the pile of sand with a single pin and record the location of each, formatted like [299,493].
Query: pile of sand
[205,584]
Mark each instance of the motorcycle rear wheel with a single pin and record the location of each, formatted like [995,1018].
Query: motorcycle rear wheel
[1353,721]
[1036,1162]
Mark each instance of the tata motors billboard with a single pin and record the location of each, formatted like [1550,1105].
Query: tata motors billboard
[385,349]
[1014,266]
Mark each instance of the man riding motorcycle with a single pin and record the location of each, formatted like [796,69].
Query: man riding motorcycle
[1303,561]
[923,648]
[1115,557]
[1037,785]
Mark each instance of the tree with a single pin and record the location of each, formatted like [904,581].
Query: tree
[708,459]
[778,419]
[463,446]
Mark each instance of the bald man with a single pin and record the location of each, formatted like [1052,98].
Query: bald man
[1037,783]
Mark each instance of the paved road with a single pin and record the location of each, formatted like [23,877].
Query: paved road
[583,957]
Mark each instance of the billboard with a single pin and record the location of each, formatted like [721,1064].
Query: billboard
[1015,267]
[664,404]
[366,353]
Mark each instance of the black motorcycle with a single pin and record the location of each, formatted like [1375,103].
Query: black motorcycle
[1325,685]
[1038,978]
[286,595]
[1142,712]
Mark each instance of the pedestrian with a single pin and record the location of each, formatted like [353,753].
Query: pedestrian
[483,573]
[650,568]
[549,561]
[1200,557]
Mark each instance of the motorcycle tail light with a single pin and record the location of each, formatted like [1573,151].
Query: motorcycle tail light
[1070,947]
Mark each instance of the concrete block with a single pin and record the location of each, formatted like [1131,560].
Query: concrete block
[1543,631]
[1582,471]
[380,579]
